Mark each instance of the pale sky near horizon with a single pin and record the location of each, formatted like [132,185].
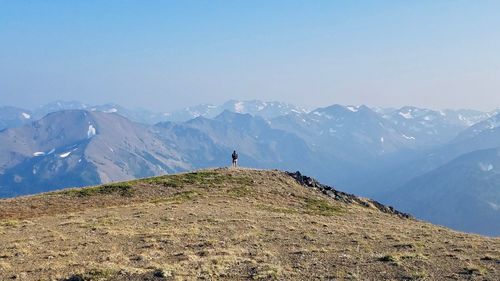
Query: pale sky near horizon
[164,55]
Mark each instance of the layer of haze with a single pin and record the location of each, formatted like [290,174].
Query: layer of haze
[164,55]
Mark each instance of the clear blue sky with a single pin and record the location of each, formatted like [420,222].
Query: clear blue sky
[168,54]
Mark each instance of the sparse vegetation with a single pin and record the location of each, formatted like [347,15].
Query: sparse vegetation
[420,275]
[266,272]
[94,275]
[229,224]
[404,258]
[275,209]
[491,258]
[205,178]
[390,258]
[239,191]
[122,189]
[8,223]
[321,207]
[475,269]
[184,196]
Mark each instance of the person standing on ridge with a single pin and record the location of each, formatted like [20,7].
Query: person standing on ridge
[235,158]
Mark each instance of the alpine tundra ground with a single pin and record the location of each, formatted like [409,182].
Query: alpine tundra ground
[227,224]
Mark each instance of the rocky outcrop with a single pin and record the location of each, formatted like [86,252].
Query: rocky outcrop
[345,197]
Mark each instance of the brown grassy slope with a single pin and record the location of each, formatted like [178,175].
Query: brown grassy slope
[229,224]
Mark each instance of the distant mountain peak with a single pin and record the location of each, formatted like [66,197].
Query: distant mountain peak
[263,109]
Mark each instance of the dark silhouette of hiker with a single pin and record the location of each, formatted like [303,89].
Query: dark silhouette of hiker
[235,158]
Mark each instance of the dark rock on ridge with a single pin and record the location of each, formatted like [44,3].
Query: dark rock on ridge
[344,197]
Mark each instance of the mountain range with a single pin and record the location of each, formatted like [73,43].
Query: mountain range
[441,166]
[11,116]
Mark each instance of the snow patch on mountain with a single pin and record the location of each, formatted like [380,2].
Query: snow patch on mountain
[406,115]
[485,167]
[407,137]
[91,131]
[494,206]
[239,107]
[322,114]
[111,110]
[462,118]
[493,123]
[39,153]
[352,108]
[64,155]
[26,115]
[110,148]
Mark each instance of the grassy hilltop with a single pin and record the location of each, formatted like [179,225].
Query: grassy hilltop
[227,224]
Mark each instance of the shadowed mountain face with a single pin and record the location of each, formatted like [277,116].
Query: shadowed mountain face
[463,194]
[484,135]
[456,185]
[210,142]
[345,132]
[427,128]
[254,138]
[77,148]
